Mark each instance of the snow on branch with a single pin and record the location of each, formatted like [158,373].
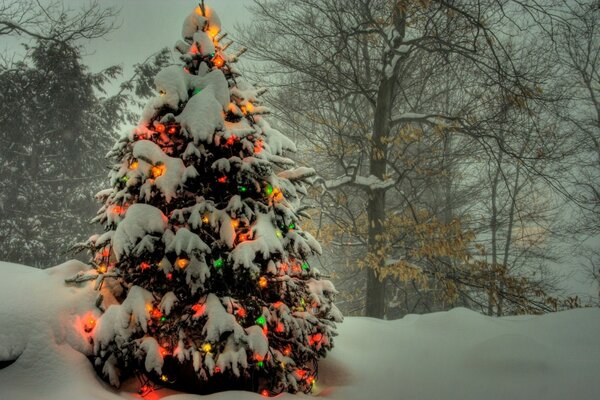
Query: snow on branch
[370,182]
[297,174]
[431,119]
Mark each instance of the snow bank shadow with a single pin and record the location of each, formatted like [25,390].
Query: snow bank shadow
[333,372]
[510,354]
[7,363]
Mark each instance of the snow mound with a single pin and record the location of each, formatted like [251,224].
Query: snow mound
[450,355]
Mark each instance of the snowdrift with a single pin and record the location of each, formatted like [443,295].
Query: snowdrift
[450,355]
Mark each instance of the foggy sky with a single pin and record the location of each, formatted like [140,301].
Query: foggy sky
[145,26]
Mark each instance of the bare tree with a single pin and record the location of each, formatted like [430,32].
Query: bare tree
[378,64]
[54,20]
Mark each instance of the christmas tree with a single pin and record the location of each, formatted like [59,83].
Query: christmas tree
[203,263]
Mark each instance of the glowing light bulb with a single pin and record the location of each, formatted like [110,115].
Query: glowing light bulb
[118,210]
[205,219]
[269,189]
[158,170]
[280,328]
[172,130]
[235,223]
[102,268]
[305,266]
[213,31]
[265,393]
[182,262]
[262,282]
[207,347]
[144,266]
[134,164]
[314,339]
[261,320]
[218,61]
[198,309]
[231,140]
[160,128]
[222,179]
[250,107]
[218,263]
[164,378]
[241,312]
[278,233]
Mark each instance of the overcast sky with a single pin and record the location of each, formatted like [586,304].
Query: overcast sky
[148,25]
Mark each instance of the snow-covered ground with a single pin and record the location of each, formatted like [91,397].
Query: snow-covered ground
[450,355]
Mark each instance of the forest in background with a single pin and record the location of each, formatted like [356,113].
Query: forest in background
[457,143]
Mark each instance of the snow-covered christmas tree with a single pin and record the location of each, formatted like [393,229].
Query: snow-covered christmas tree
[203,261]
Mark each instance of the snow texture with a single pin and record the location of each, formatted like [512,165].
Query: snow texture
[265,241]
[141,220]
[455,355]
[202,115]
[219,321]
[151,155]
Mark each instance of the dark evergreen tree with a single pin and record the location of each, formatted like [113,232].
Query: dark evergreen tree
[50,112]
[204,261]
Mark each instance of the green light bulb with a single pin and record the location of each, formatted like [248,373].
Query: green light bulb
[269,189]
[305,266]
[262,321]
[218,263]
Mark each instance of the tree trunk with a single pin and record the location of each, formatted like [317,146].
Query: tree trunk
[375,301]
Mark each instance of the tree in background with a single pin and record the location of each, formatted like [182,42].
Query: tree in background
[210,288]
[51,107]
[394,96]
[49,115]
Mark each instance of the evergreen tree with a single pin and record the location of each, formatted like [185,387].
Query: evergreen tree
[49,118]
[209,287]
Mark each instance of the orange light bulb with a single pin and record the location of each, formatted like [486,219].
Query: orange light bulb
[182,262]
[218,61]
[134,165]
[158,170]
[262,282]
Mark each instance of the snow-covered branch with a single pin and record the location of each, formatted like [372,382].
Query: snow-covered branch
[432,119]
[370,182]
